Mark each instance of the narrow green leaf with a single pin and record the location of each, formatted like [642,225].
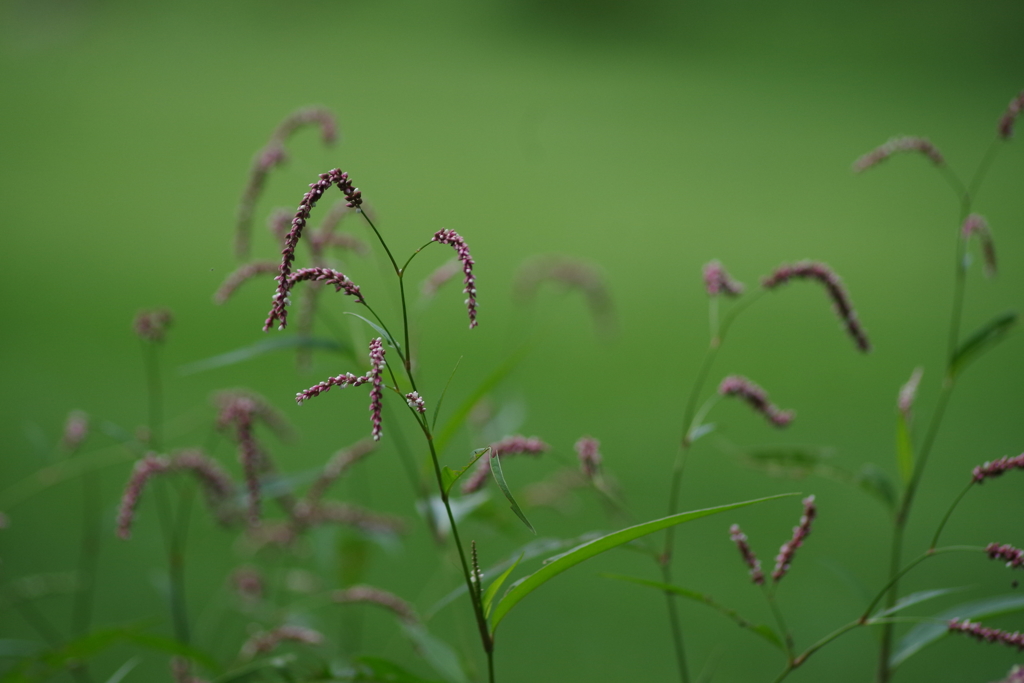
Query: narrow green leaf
[702,430]
[904,448]
[985,338]
[500,478]
[915,598]
[450,476]
[495,586]
[437,653]
[380,330]
[377,670]
[444,392]
[923,635]
[462,412]
[275,343]
[521,589]
[125,669]
[759,629]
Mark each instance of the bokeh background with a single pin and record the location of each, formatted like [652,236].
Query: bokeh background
[648,137]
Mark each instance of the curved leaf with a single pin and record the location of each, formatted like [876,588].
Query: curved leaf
[915,598]
[524,587]
[495,586]
[125,669]
[450,476]
[275,343]
[380,330]
[500,478]
[985,338]
[758,629]
[923,635]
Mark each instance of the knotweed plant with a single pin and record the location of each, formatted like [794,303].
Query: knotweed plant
[275,516]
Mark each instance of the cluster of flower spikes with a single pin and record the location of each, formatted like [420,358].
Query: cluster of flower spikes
[347,379]
[454,239]
[809,270]
[786,552]
[510,445]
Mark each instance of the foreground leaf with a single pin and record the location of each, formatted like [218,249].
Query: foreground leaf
[758,629]
[437,653]
[553,568]
[276,343]
[125,669]
[495,586]
[500,479]
[985,338]
[923,635]
[450,476]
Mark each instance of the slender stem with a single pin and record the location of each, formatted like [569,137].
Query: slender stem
[983,167]
[88,554]
[769,594]
[154,391]
[384,244]
[931,552]
[949,513]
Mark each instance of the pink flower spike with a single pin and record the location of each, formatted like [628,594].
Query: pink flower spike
[377,364]
[241,275]
[331,277]
[346,379]
[897,145]
[736,385]
[740,539]
[149,465]
[440,276]
[266,641]
[416,402]
[510,445]
[809,270]
[389,601]
[152,325]
[76,429]
[589,454]
[908,392]
[800,532]
[454,240]
[988,635]
[291,240]
[1014,557]
[995,469]
[717,281]
[977,225]
[1010,117]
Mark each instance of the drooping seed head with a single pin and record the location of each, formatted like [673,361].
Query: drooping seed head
[757,398]
[441,275]
[800,532]
[215,482]
[145,468]
[510,445]
[589,454]
[997,468]
[240,276]
[1014,557]
[988,635]
[339,463]
[266,641]
[571,274]
[377,364]
[824,275]
[345,379]
[740,539]
[389,601]
[895,146]
[1010,117]
[717,281]
[454,240]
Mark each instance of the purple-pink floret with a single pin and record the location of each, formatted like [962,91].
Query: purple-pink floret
[1014,557]
[822,273]
[908,392]
[331,277]
[975,224]
[152,325]
[278,311]
[149,465]
[997,467]
[1010,117]
[415,402]
[368,594]
[453,239]
[377,392]
[588,451]
[345,379]
[76,429]
[988,635]
[800,532]
[266,641]
[895,145]
[756,397]
[740,539]
[717,281]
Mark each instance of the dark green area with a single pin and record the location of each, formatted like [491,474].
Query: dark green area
[648,137]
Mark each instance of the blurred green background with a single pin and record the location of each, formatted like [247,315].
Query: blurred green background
[649,137]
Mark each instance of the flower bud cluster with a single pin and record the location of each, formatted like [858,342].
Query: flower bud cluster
[1014,556]
[989,635]
[800,532]
[996,468]
[454,240]
[740,539]
[717,281]
[756,397]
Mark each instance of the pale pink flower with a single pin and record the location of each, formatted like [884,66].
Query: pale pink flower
[718,281]
[756,397]
[897,145]
[740,539]
[454,240]
[800,532]
[589,454]
[1010,117]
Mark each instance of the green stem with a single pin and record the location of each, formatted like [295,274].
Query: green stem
[787,637]
[88,553]
[949,513]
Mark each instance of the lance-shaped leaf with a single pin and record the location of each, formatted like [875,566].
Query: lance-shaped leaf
[904,448]
[923,635]
[495,586]
[759,629]
[450,476]
[378,329]
[985,338]
[264,346]
[913,599]
[500,479]
[556,566]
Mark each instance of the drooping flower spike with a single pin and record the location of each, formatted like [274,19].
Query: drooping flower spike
[718,281]
[756,397]
[996,468]
[809,270]
[589,454]
[278,311]
[347,379]
[569,273]
[1014,557]
[988,635]
[800,532]
[389,601]
[510,445]
[454,240]
[240,276]
[266,641]
[740,539]
[897,145]
[145,468]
